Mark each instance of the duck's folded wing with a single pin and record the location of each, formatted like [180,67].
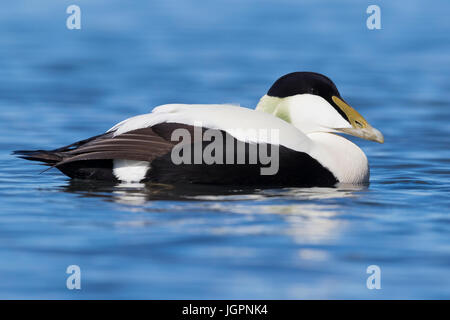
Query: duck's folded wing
[143,144]
[243,124]
[148,136]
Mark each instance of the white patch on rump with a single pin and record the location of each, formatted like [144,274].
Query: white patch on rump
[130,170]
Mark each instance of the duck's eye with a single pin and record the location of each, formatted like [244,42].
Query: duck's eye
[312,91]
[358,124]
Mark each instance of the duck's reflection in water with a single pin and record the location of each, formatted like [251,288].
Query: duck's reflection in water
[311,213]
[140,193]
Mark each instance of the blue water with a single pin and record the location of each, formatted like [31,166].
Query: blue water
[58,86]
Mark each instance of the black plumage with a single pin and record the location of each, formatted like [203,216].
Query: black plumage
[93,159]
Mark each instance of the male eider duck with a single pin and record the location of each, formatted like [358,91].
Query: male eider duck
[298,120]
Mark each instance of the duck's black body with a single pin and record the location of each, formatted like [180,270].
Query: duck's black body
[93,159]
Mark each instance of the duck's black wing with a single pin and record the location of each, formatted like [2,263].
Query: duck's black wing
[92,158]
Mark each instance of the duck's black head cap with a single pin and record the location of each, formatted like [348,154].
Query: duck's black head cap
[305,82]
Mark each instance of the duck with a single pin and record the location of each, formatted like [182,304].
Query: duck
[295,137]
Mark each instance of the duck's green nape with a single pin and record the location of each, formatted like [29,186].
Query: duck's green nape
[274,105]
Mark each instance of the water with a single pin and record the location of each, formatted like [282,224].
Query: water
[58,86]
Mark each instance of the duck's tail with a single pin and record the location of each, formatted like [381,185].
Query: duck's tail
[49,158]
[53,157]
